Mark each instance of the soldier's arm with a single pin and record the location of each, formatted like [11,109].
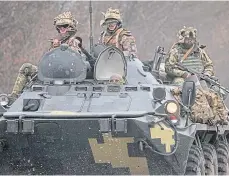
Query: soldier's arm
[208,64]
[128,44]
[74,44]
[54,43]
[170,67]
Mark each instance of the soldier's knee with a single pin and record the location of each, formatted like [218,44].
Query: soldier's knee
[26,68]
[178,81]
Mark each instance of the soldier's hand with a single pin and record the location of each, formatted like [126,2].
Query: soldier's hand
[207,74]
[186,75]
[55,43]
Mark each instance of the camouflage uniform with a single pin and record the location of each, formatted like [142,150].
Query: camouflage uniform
[199,115]
[120,37]
[195,58]
[27,70]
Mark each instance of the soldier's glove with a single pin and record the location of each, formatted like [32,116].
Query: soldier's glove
[80,44]
[212,77]
[207,73]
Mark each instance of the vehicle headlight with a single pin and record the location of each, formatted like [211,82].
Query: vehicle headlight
[4,100]
[171,107]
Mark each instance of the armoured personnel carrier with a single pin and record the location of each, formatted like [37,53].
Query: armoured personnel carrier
[69,121]
[210,139]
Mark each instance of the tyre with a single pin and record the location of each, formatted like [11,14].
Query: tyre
[222,155]
[211,161]
[196,162]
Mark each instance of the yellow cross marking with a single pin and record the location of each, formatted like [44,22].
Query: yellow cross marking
[165,135]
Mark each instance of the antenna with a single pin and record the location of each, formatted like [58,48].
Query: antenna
[91,35]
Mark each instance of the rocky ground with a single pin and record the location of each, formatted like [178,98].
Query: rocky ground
[26,27]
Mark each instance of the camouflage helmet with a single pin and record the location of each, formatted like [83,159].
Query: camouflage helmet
[111,14]
[186,32]
[65,18]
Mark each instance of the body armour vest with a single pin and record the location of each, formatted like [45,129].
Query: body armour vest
[193,61]
[112,39]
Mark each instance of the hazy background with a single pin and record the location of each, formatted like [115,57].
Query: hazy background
[25,28]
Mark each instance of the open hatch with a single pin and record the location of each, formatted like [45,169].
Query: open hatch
[111,61]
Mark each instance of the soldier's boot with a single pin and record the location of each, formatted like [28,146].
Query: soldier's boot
[222,119]
[12,97]
[222,114]
[222,122]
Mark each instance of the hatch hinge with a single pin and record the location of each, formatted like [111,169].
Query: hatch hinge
[113,125]
[20,125]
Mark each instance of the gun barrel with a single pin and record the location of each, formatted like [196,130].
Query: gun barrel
[209,79]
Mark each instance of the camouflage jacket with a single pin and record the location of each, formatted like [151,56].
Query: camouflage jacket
[173,58]
[72,42]
[122,39]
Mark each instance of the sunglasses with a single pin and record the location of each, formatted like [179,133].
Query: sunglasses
[113,22]
[64,26]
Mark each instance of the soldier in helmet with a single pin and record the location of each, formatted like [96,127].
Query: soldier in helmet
[188,52]
[65,25]
[115,34]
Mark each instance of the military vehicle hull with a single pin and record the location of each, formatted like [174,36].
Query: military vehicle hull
[78,146]
[64,123]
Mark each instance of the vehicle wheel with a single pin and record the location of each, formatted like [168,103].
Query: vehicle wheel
[222,155]
[211,161]
[196,162]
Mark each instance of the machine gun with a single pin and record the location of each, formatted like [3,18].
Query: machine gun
[209,79]
[89,58]
[154,64]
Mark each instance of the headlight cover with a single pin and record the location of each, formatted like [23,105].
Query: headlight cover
[171,107]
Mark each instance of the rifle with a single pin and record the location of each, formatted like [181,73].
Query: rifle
[211,80]
[89,57]
[154,64]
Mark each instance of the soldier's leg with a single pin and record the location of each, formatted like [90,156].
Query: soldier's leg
[200,111]
[217,105]
[27,70]
[220,108]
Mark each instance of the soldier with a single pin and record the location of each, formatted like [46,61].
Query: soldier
[188,52]
[116,79]
[115,34]
[65,25]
